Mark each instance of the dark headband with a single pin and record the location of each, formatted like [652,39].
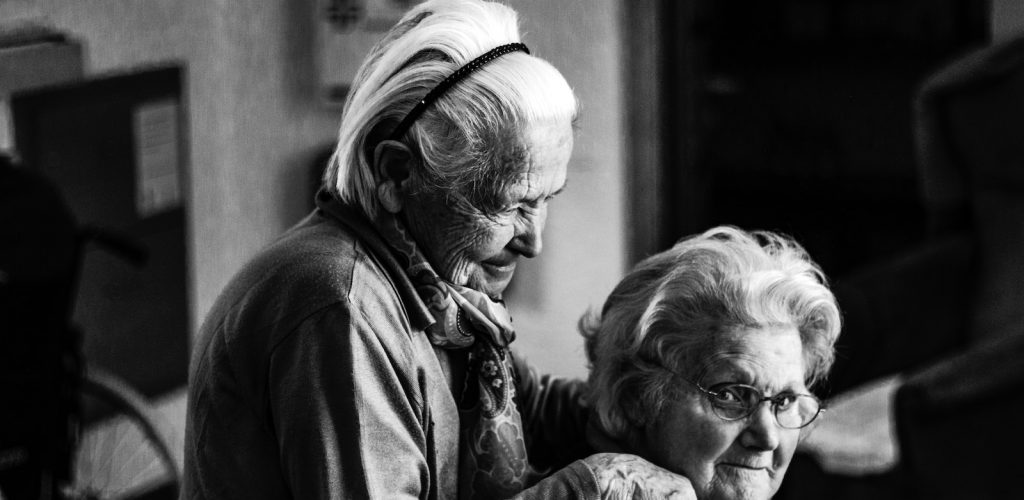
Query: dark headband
[452,79]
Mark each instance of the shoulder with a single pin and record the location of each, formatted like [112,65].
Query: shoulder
[318,286]
[315,266]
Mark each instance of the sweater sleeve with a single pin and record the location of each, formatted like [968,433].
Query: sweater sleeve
[574,482]
[348,422]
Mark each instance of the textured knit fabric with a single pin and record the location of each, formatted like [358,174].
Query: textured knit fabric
[313,378]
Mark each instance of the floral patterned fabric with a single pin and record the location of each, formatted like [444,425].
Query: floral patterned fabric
[493,460]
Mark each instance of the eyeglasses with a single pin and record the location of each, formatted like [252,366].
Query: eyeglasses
[738,401]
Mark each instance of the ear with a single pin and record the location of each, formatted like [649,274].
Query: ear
[392,162]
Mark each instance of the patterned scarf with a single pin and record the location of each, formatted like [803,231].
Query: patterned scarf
[492,462]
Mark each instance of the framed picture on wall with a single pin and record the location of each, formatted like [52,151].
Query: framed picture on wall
[115,148]
[346,31]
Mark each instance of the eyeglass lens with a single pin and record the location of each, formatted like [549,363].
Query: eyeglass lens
[736,401]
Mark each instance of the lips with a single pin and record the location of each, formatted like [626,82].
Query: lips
[504,260]
[747,465]
[499,268]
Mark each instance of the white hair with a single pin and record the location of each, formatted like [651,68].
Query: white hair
[466,137]
[667,314]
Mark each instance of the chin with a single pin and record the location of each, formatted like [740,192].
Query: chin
[490,286]
[722,488]
[494,289]
[741,492]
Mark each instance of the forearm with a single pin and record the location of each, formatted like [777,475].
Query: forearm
[611,476]
[574,482]
[554,416]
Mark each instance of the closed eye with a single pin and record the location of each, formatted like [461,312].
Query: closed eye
[556,193]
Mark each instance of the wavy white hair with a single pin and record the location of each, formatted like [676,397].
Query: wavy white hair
[470,139]
[668,312]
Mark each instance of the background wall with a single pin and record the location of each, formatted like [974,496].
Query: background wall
[584,243]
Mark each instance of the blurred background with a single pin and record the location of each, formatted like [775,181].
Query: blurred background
[198,129]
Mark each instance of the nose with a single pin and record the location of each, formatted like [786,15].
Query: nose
[528,240]
[761,432]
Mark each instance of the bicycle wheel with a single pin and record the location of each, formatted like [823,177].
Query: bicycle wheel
[120,453]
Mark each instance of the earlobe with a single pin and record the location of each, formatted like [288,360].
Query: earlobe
[387,194]
[392,163]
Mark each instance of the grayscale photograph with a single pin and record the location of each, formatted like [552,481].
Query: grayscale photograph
[511,249]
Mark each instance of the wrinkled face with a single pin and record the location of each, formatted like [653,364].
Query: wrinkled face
[471,248]
[743,459]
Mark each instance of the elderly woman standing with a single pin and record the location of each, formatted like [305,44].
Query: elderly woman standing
[703,356]
[365,353]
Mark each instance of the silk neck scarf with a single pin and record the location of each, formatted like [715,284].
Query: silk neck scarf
[492,461]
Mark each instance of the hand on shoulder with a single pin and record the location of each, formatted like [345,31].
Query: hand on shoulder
[622,475]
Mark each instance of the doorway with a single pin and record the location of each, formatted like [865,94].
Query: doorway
[793,116]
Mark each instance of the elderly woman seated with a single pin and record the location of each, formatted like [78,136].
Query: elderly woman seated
[704,355]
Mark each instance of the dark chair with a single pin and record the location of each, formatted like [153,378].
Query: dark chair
[957,418]
[948,316]
[39,353]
